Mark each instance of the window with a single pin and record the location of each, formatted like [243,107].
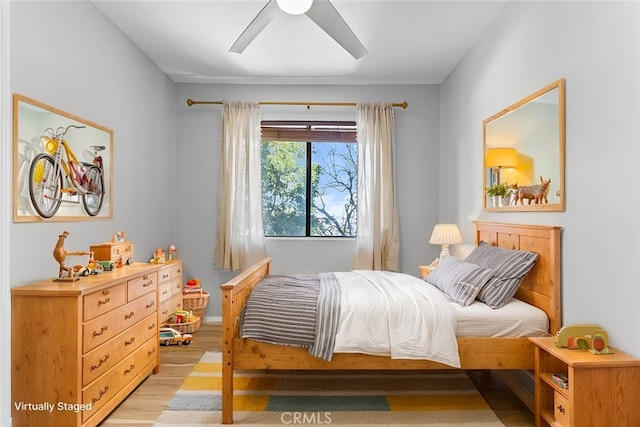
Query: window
[309,178]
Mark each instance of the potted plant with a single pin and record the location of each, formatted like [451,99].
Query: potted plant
[500,194]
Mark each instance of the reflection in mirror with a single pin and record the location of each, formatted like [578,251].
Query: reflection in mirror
[84,173]
[524,154]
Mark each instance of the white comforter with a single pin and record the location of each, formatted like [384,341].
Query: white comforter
[397,315]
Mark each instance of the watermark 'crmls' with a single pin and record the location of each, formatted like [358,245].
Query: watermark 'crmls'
[306,418]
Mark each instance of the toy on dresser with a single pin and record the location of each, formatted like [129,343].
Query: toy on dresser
[584,337]
[60,255]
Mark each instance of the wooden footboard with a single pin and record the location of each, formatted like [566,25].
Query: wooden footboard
[541,289]
[234,296]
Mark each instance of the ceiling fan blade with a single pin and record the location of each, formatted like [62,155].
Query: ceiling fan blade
[256,26]
[327,17]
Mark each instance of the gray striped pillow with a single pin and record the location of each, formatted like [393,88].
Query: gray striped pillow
[460,280]
[509,265]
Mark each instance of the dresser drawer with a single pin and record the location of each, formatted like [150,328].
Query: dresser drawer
[561,410]
[176,271]
[105,327]
[176,287]
[103,301]
[101,359]
[166,310]
[171,271]
[164,274]
[141,285]
[107,386]
[166,290]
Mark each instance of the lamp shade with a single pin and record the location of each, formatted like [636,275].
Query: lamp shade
[294,7]
[445,234]
[502,158]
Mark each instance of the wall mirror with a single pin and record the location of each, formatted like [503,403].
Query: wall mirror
[79,187]
[524,148]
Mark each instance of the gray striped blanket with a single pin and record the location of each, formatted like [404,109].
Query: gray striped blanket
[296,310]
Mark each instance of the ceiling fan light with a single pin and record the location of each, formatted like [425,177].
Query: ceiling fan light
[294,7]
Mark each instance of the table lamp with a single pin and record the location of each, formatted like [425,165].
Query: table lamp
[445,235]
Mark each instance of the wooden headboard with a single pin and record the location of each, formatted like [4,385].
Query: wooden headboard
[541,287]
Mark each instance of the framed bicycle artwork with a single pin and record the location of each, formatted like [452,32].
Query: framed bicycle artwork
[62,165]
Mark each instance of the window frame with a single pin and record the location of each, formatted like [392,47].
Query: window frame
[308,132]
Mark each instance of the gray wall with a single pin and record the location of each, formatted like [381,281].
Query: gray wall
[595,46]
[199,133]
[70,56]
[88,68]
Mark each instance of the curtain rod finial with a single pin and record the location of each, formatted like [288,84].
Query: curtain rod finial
[189,102]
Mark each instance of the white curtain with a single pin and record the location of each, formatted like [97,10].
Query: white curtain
[240,240]
[377,245]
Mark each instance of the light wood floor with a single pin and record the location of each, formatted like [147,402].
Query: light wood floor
[144,405]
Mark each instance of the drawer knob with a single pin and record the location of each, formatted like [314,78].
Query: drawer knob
[561,409]
[105,292]
[129,342]
[150,352]
[130,369]
[147,284]
[152,326]
[100,362]
[151,304]
[104,301]
[129,316]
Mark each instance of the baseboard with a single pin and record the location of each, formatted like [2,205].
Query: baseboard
[514,380]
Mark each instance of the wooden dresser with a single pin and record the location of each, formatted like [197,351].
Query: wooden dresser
[170,291]
[79,348]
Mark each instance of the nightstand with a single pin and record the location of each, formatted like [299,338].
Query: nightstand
[425,270]
[603,390]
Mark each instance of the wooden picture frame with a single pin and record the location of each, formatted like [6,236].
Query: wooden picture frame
[31,118]
[533,129]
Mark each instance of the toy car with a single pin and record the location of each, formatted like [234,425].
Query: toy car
[92,268]
[170,336]
[107,265]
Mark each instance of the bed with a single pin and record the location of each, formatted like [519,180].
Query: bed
[539,288]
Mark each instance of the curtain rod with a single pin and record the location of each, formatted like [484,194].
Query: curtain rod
[404,105]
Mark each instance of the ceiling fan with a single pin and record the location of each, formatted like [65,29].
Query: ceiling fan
[322,12]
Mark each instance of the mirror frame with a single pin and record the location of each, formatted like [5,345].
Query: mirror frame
[25,131]
[547,207]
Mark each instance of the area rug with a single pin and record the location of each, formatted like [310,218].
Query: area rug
[428,398]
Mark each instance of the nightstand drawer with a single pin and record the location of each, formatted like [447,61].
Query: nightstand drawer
[561,410]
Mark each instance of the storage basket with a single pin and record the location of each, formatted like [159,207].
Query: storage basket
[195,302]
[186,327]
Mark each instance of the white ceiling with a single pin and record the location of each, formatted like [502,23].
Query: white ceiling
[409,42]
